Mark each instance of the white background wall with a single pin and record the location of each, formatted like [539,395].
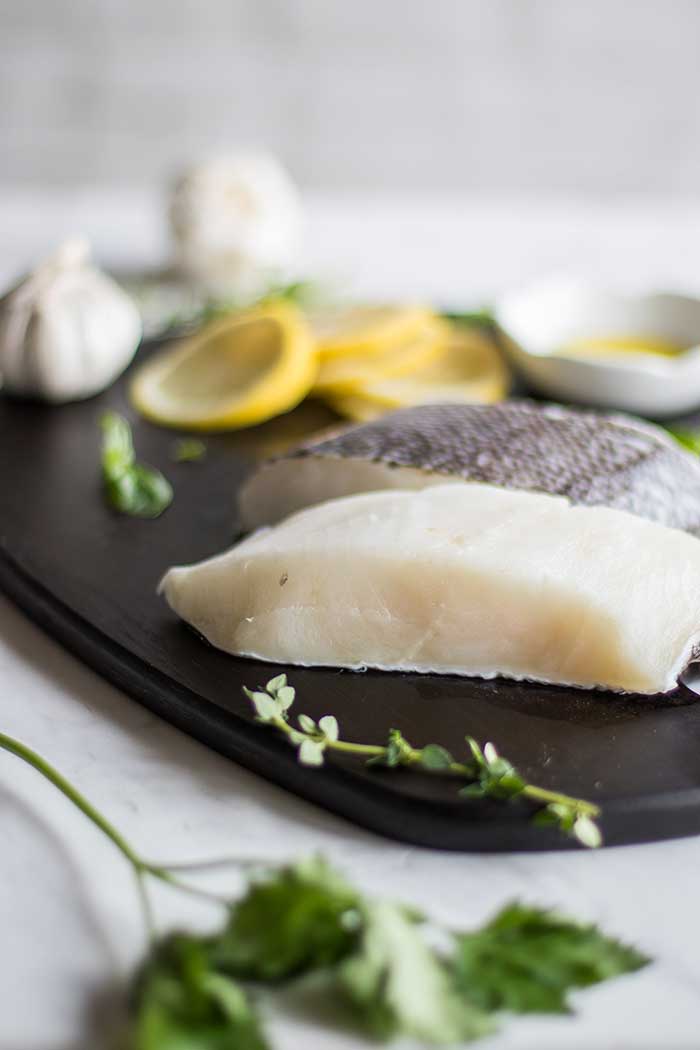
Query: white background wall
[597,96]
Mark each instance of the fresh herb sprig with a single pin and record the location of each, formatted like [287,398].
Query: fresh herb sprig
[304,918]
[130,487]
[486,773]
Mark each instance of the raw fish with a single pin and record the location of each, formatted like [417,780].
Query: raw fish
[592,459]
[457,579]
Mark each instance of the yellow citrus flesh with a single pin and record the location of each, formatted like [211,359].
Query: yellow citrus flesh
[367,330]
[470,370]
[234,373]
[345,375]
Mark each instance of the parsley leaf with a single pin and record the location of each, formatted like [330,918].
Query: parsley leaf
[526,960]
[182,1003]
[130,487]
[295,920]
[399,986]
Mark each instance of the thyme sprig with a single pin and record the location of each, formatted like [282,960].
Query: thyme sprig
[486,773]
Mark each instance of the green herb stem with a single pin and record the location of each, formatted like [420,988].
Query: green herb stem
[367,750]
[140,867]
[538,794]
[187,887]
[7,743]
[146,909]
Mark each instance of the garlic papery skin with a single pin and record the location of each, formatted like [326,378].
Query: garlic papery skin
[236,222]
[67,330]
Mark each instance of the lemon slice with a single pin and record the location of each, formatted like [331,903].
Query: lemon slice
[234,373]
[345,375]
[470,369]
[362,330]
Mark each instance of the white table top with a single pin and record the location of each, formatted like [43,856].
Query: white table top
[68,911]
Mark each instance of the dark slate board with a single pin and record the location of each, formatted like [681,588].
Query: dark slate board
[89,577]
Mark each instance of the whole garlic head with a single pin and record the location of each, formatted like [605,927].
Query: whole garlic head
[66,330]
[236,222]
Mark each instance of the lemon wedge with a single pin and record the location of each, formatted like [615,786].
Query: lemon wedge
[234,373]
[347,374]
[469,369]
[360,330]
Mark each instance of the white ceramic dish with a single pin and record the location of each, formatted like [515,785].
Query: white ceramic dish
[539,320]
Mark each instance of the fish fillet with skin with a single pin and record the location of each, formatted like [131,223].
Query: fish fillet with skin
[592,459]
[467,579]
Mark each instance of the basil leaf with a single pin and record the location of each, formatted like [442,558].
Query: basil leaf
[130,487]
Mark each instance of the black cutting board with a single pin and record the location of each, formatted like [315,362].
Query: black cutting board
[89,577]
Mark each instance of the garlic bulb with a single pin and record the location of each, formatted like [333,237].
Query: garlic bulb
[66,330]
[236,223]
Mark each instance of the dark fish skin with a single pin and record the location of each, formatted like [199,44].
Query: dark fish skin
[593,459]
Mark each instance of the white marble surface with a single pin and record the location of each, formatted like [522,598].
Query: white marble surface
[68,913]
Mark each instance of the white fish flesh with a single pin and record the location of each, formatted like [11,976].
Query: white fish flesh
[457,579]
[592,459]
